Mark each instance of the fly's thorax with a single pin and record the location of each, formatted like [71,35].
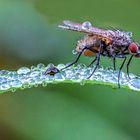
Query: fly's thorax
[114,50]
[121,38]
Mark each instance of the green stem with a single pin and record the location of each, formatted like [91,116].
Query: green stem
[32,77]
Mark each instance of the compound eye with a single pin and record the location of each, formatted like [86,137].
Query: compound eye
[133,48]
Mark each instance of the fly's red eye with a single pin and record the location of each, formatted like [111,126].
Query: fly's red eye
[133,48]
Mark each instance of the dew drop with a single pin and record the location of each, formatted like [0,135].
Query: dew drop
[82,83]
[15,83]
[59,76]
[86,25]
[81,66]
[13,89]
[35,85]
[74,52]
[60,66]
[69,73]
[40,66]
[4,86]
[34,74]
[134,84]
[130,34]
[33,68]
[23,70]
[26,85]
[50,65]
[44,84]
[3,79]
[4,72]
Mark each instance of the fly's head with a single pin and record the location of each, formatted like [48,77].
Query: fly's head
[134,49]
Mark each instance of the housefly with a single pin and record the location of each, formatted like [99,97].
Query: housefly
[103,42]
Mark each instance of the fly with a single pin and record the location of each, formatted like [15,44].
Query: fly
[100,42]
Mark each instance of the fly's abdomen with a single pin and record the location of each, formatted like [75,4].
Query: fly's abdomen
[88,41]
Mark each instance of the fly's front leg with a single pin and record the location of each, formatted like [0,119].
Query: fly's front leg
[128,66]
[120,71]
[120,56]
[88,47]
[74,62]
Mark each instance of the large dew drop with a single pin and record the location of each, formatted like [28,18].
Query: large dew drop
[134,84]
[86,25]
[23,70]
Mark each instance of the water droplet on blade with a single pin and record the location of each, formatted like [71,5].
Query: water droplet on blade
[74,52]
[134,84]
[86,25]
[40,66]
[23,70]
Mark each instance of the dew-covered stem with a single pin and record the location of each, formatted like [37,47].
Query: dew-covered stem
[32,77]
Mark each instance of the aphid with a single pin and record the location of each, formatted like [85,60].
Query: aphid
[51,71]
[103,42]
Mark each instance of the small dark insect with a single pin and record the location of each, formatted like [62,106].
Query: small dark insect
[103,42]
[51,71]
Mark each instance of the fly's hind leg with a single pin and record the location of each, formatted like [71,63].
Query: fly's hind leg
[97,59]
[128,66]
[121,56]
[120,71]
[92,61]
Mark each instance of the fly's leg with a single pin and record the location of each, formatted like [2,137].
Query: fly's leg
[92,61]
[114,63]
[97,61]
[120,71]
[85,48]
[122,56]
[76,59]
[128,66]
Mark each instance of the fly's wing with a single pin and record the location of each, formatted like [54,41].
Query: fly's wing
[85,27]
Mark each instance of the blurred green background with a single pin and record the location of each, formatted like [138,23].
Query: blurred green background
[28,36]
